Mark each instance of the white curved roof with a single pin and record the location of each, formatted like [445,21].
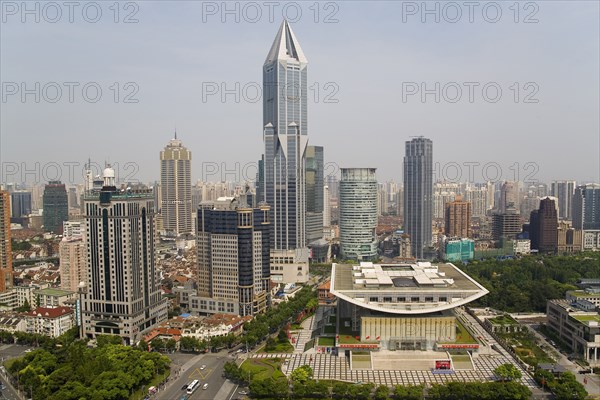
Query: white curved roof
[419,288]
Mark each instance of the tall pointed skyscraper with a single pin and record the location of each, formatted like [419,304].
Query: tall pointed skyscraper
[285,136]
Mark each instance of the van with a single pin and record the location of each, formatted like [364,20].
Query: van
[205,386]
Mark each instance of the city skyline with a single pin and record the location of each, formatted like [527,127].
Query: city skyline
[188,63]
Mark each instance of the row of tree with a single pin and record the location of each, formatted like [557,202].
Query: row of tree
[302,386]
[564,387]
[74,371]
[525,284]
[305,301]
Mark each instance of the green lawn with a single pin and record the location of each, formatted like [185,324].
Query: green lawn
[327,341]
[285,347]
[526,347]
[462,334]
[503,320]
[586,318]
[263,368]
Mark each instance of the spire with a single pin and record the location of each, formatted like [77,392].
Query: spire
[175,133]
[285,46]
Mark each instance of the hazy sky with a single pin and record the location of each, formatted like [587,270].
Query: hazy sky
[368,65]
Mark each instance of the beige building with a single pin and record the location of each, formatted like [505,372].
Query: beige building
[5,245]
[176,188]
[51,322]
[578,324]
[51,298]
[569,240]
[72,263]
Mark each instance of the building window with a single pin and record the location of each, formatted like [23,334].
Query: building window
[373,299]
[414,299]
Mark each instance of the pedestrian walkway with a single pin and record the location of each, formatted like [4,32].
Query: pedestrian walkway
[330,367]
[309,325]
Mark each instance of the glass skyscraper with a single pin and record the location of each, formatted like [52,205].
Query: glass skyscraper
[358,213]
[418,193]
[286,138]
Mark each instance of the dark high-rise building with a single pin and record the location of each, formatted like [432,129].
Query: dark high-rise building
[418,193]
[122,296]
[458,218]
[563,191]
[56,207]
[314,193]
[543,227]
[233,244]
[586,207]
[20,201]
[5,244]
[506,225]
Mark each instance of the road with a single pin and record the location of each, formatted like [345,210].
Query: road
[8,351]
[186,369]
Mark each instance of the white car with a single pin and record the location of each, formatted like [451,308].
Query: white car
[203,366]
[242,392]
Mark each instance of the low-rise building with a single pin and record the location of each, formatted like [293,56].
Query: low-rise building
[591,295]
[578,326]
[50,297]
[521,246]
[323,293]
[51,322]
[216,325]
[12,323]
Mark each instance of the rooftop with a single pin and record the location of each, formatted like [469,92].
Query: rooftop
[404,288]
[53,292]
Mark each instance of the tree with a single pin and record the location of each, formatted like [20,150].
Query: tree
[408,392]
[171,345]
[301,375]
[508,372]
[103,340]
[382,392]
[188,343]
[567,387]
[24,308]
[282,336]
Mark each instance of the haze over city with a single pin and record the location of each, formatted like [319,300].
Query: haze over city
[364,61]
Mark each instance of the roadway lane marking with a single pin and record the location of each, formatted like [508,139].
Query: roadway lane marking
[200,374]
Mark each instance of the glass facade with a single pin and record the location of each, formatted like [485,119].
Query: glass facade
[418,189]
[286,138]
[358,213]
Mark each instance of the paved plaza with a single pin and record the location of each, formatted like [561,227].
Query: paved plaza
[402,368]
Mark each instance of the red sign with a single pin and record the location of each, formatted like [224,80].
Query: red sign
[442,364]
[458,346]
[359,346]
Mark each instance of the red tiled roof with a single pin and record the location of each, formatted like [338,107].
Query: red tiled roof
[325,285]
[50,312]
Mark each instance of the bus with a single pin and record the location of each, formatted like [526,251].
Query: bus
[193,386]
